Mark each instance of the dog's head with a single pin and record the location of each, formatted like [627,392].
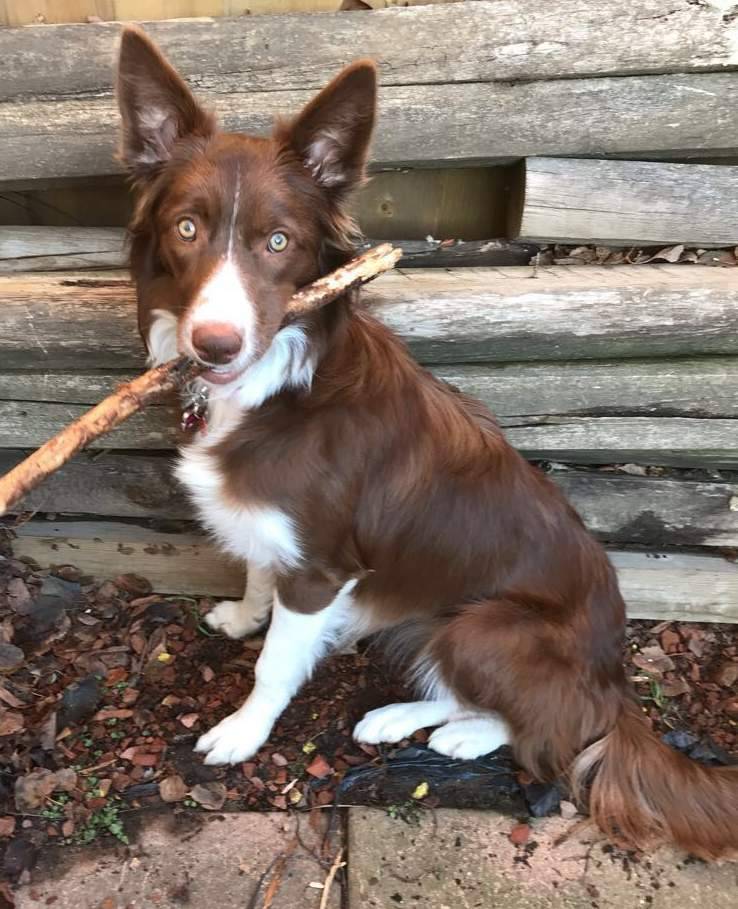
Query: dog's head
[227,227]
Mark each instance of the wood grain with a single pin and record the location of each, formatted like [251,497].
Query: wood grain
[616,507]
[79,322]
[624,203]
[503,41]
[424,125]
[655,585]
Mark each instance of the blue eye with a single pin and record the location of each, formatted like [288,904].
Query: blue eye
[278,241]
[186,229]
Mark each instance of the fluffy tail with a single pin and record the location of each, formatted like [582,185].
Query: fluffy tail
[641,792]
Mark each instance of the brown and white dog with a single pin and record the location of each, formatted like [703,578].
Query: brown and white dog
[362,493]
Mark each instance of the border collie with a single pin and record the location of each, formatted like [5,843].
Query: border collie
[365,495]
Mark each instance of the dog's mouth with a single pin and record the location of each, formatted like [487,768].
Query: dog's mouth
[222,375]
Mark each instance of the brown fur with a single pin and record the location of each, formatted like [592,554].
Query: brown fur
[397,480]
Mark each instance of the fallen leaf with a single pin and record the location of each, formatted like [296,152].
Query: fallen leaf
[11,657]
[675,687]
[319,767]
[727,674]
[112,713]
[144,759]
[68,827]
[279,759]
[10,699]
[653,660]
[173,789]
[210,796]
[207,674]
[188,720]
[309,747]
[10,722]
[7,826]
[32,790]
[420,791]
[520,834]
[669,254]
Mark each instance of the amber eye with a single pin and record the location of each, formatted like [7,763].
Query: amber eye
[277,242]
[186,228]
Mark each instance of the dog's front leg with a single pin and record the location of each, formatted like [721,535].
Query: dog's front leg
[293,645]
[240,618]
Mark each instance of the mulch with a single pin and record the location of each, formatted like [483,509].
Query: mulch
[104,689]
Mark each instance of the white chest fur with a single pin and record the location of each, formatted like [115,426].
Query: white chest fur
[258,533]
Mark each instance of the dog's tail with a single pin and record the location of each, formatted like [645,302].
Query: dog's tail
[642,792]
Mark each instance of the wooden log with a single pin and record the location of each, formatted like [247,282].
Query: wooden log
[653,412]
[25,249]
[28,249]
[616,507]
[677,441]
[79,322]
[423,125]
[657,585]
[514,40]
[702,387]
[625,203]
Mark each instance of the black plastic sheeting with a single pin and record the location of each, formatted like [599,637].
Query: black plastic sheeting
[487,782]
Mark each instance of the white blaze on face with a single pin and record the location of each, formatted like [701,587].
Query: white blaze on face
[223,298]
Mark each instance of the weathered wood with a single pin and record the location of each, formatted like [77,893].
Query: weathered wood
[78,322]
[617,507]
[623,203]
[426,125]
[24,249]
[28,249]
[702,387]
[603,440]
[503,41]
[595,413]
[674,441]
[655,585]
[653,511]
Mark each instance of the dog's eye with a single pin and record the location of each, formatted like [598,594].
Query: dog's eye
[186,228]
[277,242]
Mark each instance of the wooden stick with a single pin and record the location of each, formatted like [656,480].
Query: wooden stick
[130,397]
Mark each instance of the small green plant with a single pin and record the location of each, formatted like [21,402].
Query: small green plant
[106,820]
[54,810]
[407,811]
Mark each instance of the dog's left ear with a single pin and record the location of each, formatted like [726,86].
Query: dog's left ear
[333,132]
[156,106]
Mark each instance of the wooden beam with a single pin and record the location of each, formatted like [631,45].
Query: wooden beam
[422,125]
[624,203]
[655,585]
[81,322]
[616,507]
[523,40]
[40,248]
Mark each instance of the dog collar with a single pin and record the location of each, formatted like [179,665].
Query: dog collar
[195,397]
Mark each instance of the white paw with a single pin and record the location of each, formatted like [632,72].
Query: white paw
[397,721]
[234,739]
[470,737]
[236,620]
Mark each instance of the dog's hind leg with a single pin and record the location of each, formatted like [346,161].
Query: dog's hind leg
[240,618]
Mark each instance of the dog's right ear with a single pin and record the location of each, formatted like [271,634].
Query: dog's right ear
[156,106]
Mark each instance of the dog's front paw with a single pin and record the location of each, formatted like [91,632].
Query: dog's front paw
[233,740]
[235,619]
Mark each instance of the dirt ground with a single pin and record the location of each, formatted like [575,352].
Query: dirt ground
[105,688]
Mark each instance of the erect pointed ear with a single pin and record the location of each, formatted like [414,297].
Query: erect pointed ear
[157,108]
[333,132]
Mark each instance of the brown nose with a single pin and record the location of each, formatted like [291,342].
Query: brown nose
[216,343]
